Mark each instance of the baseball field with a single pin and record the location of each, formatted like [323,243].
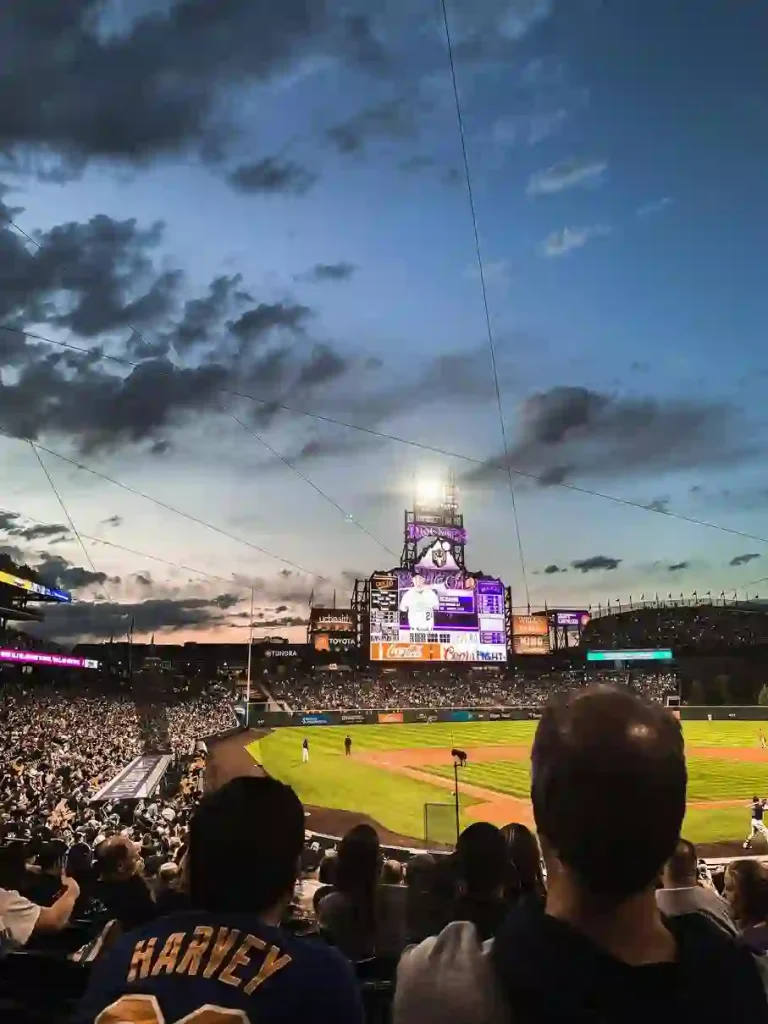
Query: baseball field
[395,769]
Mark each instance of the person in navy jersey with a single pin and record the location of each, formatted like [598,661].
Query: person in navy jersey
[757,825]
[228,955]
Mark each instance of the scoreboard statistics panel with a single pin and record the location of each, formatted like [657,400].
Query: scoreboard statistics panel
[437,616]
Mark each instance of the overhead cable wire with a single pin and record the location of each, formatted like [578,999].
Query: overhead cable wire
[165,505]
[420,446]
[484,293]
[302,476]
[130,551]
[348,516]
[69,519]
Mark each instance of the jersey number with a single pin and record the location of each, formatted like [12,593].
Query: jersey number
[146,1010]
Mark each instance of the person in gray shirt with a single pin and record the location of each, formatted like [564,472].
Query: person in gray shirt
[685,893]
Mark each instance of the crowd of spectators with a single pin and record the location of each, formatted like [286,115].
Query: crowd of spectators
[57,750]
[442,688]
[604,915]
[699,628]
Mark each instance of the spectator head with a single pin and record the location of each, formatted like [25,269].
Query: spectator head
[419,872]
[391,872]
[168,873]
[52,856]
[481,859]
[254,828]
[608,786]
[152,866]
[117,859]
[79,861]
[358,866]
[526,876]
[746,889]
[327,873]
[682,869]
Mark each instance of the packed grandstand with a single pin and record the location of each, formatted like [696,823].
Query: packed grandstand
[105,878]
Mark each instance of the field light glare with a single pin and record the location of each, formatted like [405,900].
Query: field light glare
[429,491]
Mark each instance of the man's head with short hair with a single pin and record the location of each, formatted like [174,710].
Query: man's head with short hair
[117,859]
[608,790]
[245,842]
[682,869]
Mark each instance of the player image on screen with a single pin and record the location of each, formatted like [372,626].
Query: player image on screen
[420,603]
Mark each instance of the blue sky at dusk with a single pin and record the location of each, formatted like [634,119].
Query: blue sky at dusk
[242,198]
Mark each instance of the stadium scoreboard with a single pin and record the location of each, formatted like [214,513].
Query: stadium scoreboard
[431,615]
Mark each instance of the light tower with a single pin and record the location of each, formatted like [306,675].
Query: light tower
[434,518]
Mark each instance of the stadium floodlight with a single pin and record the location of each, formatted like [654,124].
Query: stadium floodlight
[429,491]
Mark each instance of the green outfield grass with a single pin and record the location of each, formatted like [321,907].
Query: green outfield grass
[331,780]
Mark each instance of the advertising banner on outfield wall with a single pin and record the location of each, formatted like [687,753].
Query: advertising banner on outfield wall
[427,716]
[390,717]
[421,716]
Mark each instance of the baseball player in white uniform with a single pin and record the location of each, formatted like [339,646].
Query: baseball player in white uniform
[420,604]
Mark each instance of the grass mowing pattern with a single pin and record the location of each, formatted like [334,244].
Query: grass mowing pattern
[511,777]
[331,780]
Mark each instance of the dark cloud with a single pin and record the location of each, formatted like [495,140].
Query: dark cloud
[57,571]
[552,569]
[101,620]
[658,505]
[265,623]
[202,318]
[12,525]
[392,119]
[596,563]
[456,376]
[744,559]
[272,175]
[285,588]
[569,433]
[360,40]
[154,86]
[418,162]
[679,566]
[91,277]
[331,272]
[99,278]
[256,323]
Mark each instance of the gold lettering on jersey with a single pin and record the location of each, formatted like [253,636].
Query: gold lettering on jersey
[198,946]
[169,954]
[240,958]
[273,962]
[225,940]
[142,958]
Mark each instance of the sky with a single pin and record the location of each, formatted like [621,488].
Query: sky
[242,315]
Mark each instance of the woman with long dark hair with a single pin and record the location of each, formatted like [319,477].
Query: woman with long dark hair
[525,870]
[362,917]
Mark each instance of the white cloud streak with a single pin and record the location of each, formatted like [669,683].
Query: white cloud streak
[560,243]
[565,175]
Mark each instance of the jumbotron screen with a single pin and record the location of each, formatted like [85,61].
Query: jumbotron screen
[437,616]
